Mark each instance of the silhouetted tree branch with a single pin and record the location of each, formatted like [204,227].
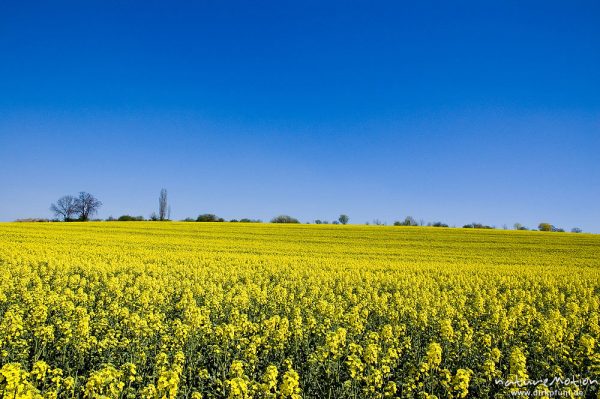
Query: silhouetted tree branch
[65,207]
[86,205]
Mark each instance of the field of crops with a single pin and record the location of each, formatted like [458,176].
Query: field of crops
[230,310]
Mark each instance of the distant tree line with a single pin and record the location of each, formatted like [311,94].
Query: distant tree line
[477,226]
[82,207]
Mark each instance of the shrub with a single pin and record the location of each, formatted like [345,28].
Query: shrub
[550,227]
[128,218]
[477,226]
[545,227]
[284,219]
[519,226]
[207,217]
[408,221]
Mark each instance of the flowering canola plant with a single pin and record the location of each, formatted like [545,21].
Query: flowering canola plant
[234,310]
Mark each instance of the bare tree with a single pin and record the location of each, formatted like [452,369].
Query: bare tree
[86,205]
[162,205]
[64,208]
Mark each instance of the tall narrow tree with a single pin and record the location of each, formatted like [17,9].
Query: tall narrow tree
[162,204]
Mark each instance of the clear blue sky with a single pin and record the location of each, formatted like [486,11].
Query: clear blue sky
[452,111]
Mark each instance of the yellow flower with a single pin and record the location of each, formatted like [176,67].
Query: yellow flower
[434,354]
[290,387]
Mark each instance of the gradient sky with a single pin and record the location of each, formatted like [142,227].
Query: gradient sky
[453,111]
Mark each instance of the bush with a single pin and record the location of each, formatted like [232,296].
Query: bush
[246,220]
[477,226]
[439,224]
[575,230]
[550,227]
[128,218]
[208,217]
[519,226]
[284,219]
[545,227]
[408,221]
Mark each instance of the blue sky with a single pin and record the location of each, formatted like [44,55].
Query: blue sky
[454,111]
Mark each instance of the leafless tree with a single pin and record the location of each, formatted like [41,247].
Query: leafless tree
[86,205]
[162,204]
[65,207]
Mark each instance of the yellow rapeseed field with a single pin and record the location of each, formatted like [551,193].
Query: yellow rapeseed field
[233,310]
